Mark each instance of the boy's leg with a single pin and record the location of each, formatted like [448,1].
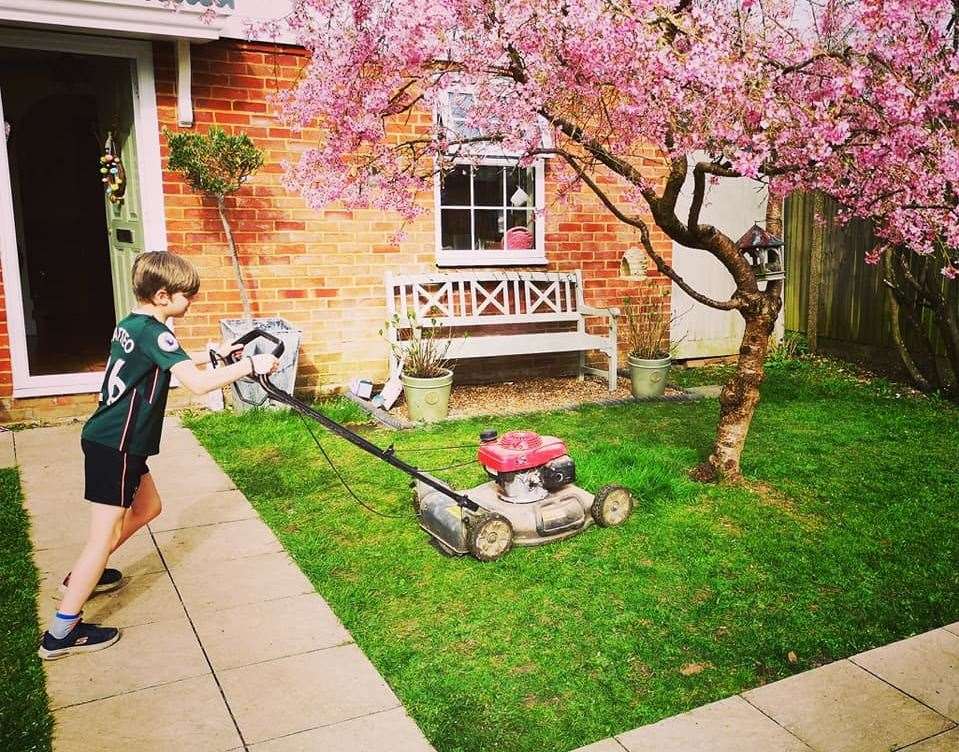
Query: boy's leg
[146,506]
[106,525]
[67,632]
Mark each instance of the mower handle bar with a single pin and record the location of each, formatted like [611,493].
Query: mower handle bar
[278,395]
[240,342]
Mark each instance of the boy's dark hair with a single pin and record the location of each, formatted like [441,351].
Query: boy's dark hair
[161,270]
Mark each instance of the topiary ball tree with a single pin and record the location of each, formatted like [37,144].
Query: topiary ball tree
[217,164]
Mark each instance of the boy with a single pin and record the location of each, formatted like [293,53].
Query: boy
[124,430]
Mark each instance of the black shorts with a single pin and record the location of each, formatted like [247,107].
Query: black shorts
[112,476]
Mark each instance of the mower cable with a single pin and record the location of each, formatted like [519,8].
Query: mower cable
[340,477]
[432,448]
[450,467]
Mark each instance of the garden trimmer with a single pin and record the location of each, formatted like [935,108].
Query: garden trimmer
[529,499]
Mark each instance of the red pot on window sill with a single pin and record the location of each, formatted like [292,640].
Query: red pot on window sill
[519,239]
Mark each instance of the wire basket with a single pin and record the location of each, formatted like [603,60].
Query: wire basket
[249,394]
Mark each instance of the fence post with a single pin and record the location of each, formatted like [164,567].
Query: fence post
[815,271]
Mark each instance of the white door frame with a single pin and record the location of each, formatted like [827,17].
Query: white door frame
[140,53]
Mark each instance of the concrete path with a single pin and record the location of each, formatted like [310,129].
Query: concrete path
[226,645]
[903,696]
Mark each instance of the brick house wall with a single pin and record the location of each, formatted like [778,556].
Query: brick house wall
[323,270]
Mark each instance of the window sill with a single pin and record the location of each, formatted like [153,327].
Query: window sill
[490,258]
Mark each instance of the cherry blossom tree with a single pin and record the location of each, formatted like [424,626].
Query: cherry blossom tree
[812,94]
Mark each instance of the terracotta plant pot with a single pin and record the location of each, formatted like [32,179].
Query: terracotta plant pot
[648,377]
[428,399]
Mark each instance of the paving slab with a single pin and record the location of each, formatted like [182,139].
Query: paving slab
[247,634]
[315,689]
[954,628]
[203,509]
[145,656]
[8,456]
[730,725]
[843,708]
[389,731]
[65,497]
[42,445]
[142,600]
[187,716]
[198,478]
[223,584]
[947,742]
[57,529]
[707,391]
[192,547]
[925,666]
[606,745]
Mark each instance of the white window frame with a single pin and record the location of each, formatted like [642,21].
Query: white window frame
[535,256]
[140,55]
[483,155]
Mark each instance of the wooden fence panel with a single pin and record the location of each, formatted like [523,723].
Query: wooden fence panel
[852,299]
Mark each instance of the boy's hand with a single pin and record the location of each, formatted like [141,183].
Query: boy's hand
[264,364]
[226,349]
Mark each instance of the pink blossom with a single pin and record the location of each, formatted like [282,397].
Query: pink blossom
[873,256]
[859,103]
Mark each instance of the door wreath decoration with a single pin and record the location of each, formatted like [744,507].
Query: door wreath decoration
[112,174]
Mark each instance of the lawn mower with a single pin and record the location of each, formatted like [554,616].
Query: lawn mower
[530,497]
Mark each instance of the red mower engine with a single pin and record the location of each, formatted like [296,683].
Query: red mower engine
[525,465]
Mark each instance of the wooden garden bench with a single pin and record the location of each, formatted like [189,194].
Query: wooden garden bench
[512,302]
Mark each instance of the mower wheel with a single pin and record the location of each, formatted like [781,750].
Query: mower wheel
[612,506]
[490,536]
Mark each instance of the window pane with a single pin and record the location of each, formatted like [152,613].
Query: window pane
[488,186]
[522,178]
[455,229]
[460,105]
[521,234]
[455,187]
[489,228]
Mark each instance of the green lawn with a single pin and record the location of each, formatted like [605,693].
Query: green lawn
[848,538]
[25,723]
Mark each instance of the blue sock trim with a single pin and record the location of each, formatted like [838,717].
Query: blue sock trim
[67,616]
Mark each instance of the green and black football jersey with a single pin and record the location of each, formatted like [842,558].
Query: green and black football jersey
[135,385]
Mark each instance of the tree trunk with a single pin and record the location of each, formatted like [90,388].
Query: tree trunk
[740,395]
[228,231]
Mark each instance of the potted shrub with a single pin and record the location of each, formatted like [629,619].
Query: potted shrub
[425,371]
[218,164]
[650,352]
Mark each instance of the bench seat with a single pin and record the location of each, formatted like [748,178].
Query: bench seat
[483,346]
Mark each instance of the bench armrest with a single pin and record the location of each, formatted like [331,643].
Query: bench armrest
[612,312]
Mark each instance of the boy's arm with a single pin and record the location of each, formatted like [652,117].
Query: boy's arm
[224,349]
[201,382]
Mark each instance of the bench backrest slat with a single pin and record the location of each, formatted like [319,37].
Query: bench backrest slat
[463,299]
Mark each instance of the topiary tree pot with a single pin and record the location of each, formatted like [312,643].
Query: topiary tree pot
[428,399]
[648,376]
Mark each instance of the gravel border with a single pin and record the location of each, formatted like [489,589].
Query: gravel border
[396,423]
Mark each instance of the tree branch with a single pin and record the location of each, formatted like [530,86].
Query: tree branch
[699,194]
[637,222]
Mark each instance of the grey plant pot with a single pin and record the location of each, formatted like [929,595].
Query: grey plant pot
[284,378]
[428,400]
[648,377]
